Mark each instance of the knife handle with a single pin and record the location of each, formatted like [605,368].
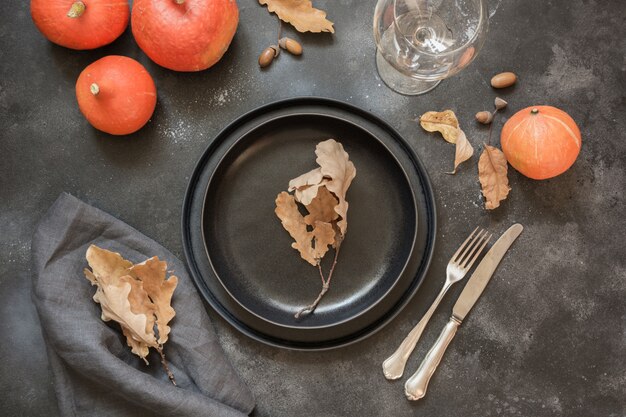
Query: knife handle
[415,387]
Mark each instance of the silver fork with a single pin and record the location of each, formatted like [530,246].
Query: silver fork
[459,264]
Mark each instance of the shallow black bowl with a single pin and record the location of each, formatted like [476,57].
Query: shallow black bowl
[240,256]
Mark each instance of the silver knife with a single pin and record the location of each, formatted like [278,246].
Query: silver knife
[415,387]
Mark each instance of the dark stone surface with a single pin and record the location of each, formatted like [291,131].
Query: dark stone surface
[548,336]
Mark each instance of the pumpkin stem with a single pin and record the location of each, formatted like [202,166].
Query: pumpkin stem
[94,89]
[534,111]
[77,10]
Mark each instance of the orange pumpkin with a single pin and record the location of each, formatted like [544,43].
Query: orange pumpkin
[85,24]
[116,95]
[541,141]
[184,35]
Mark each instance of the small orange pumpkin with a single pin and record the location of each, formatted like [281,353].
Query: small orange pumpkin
[83,24]
[116,94]
[541,141]
[184,35]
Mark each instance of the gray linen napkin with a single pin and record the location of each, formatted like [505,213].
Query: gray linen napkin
[95,373]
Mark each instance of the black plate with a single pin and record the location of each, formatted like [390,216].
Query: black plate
[251,253]
[231,234]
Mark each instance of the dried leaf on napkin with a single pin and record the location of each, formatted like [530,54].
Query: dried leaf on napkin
[138,297]
[160,290]
[444,122]
[301,14]
[464,151]
[492,173]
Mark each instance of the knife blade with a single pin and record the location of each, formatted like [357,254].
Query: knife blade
[415,387]
[484,271]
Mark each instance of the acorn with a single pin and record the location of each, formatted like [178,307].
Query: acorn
[291,45]
[503,80]
[499,103]
[484,117]
[268,55]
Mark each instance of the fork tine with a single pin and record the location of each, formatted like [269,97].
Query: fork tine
[468,263]
[463,245]
[467,255]
[470,246]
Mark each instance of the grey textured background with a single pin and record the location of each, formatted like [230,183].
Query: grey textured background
[548,338]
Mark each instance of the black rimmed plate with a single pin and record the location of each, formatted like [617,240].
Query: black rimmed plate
[241,258]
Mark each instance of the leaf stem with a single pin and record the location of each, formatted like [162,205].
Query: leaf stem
[493,116]
[170,375]
[319,267]
[325,286]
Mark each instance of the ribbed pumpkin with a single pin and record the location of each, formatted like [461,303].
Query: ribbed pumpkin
[184,35]
[541,141]
[116,94]
[85,24]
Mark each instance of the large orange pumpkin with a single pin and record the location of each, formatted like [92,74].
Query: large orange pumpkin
[541,141]
[85,24]
[116,95]
[184,35]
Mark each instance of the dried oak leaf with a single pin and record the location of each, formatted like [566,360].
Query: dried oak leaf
[492,173]
[109,266]
[138,297]
[122,298]
[322,208]
[464,151]
[113,300]
[301,14]
[152,274]
[444,122]
[306,185]
[312,245]
[335,165]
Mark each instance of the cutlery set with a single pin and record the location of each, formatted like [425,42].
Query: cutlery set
[458,266]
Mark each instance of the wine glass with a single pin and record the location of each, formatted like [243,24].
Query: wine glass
[421,42]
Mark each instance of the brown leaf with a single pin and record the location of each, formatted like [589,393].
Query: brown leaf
[301,14]
[135,296]
[492,171]
[324,236]
[444,122]
[152,274]
[464,151]
[335,164]
[322,208]
[139,301]
[311,245]
[306,185]
[113,299]
[108,266]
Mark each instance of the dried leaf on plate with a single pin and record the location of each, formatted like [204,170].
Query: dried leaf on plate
[323,192]
[322,208]
[301,14]
[444,122]
[492,173]
[336,165]
[306,185]
[464,151]
[311,245]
